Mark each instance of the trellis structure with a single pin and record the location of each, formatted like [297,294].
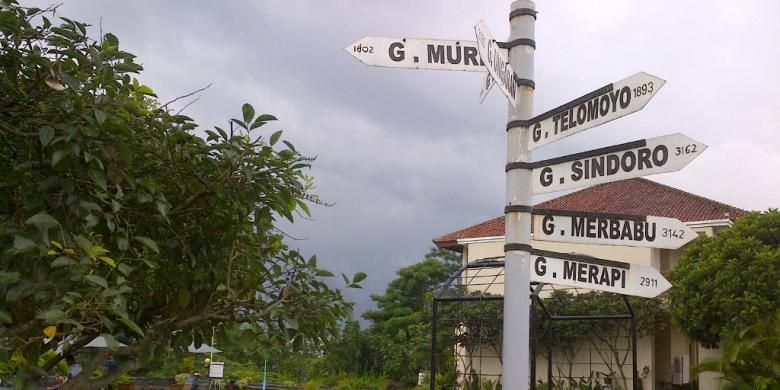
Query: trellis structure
[466,335]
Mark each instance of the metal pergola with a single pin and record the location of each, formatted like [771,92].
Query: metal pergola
[469,308]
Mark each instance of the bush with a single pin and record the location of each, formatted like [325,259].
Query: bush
[312,385]
[180,378]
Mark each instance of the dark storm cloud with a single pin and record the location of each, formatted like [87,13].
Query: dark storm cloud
[410,155]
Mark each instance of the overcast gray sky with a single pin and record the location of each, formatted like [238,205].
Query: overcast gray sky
[409,155]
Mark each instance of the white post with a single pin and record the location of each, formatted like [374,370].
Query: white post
[519,202]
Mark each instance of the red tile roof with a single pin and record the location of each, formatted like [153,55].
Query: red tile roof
[632,196]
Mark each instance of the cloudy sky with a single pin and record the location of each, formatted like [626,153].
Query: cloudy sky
[409,155]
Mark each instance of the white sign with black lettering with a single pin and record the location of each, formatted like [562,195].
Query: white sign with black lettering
[415,53]
[597,274]
[497,63]
[667,153]
[487,85]
[600,106]
[216,369]
[612,229]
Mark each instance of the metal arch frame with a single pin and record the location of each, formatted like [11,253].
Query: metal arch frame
[535,289]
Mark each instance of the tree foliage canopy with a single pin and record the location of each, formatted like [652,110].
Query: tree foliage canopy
[401,325]
[751,357]
[117,220]
[727,282]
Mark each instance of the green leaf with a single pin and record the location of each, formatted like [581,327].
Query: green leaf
[183,297]
[221,132]
[5,318]
[359,277]
[8,277]
[62,261]
[275,137]
[128,67]
[23,244]
[132,325]
[265,118]
[111,342]
[297,343]
[57,156]
[323,273]
[71,81]
[124,269]
[248,111]
[122,243]
[42,220]
[148,242]
[289,146]
[163,207]
[98,280]
[197,339]
[51,316]
[100,115]
[108,261]
[45,135]
[145,90]
[110,39]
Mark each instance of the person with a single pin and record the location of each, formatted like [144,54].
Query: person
[192,380]
[73,367]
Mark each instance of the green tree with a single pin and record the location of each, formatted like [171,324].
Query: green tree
[351,352]
[116,220]
[751,358]
[724,283]
[401,325]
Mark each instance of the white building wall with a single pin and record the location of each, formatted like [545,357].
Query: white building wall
[656,352]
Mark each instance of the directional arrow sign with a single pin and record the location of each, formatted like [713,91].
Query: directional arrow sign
[497,63]
[414,53]
[668,153]
[596,274]
[600,106]
[610,229]
[487,85]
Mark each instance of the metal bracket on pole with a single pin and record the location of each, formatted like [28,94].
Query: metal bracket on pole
[522,11]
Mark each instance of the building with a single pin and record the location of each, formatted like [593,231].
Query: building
[668,353]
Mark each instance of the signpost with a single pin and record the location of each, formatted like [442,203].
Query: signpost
[414,53]
[597,274]
[611,229]
[667,153]
[497,63]
[598,107]
[525,177]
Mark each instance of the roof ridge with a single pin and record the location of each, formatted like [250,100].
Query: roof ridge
[659,199]
[485,222]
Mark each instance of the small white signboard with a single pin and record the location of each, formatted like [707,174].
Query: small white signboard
[611,229]
[416,53]
[598,107]
[597,274]
[497,63]
[487,85]
[216,369]
[667,153]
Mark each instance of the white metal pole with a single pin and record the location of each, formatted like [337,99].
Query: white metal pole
[518,201]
